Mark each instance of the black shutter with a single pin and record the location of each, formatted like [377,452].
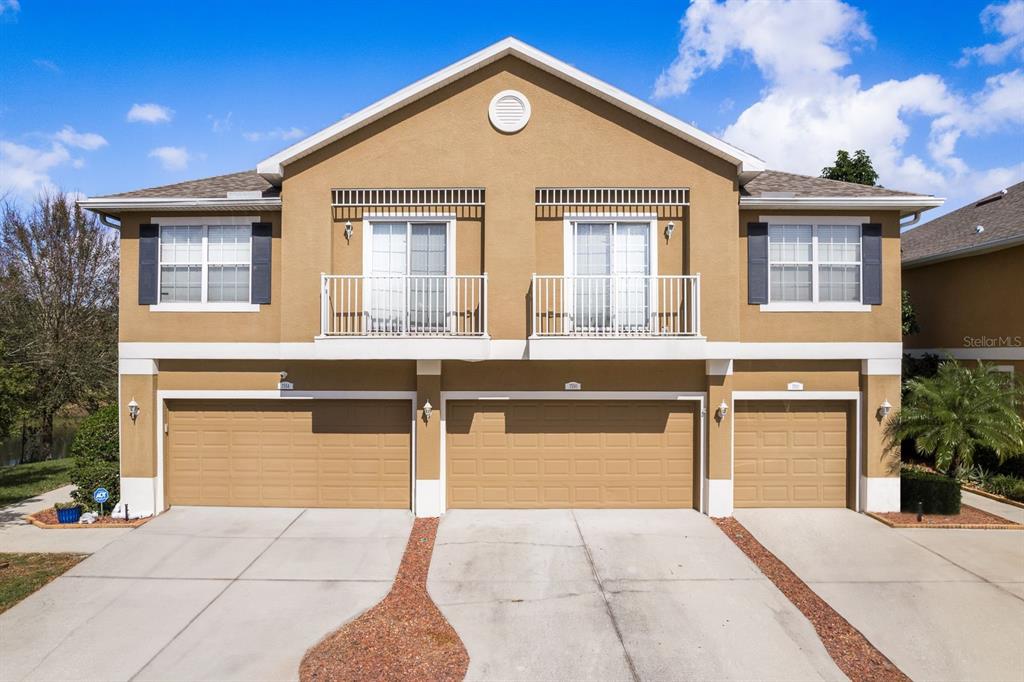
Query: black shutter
[757,263]
[871,249]
[261,262]
[149,263]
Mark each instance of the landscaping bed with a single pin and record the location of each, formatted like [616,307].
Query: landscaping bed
[404,637]
[969,517]
[23,574]
[851,651]
[47,518]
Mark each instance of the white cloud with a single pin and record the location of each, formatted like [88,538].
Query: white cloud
[171,158]
[809,109]
[292,133]
[1007,20]
[25,171]
[12,6]
[220,125]
[789,42]
[87,141]
[46,64]
[149,113]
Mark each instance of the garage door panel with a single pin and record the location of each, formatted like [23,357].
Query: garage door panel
[790,453]
[272,453]
[569,453]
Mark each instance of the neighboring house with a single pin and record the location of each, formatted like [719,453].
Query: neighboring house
[509,285]
[965,275]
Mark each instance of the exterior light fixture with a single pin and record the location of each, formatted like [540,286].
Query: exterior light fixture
[669,229]
[283,385]
[133,410]
[884,409]
[427,410]
[348,231]
[723,409]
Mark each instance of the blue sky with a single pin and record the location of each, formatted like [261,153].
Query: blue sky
[221,85]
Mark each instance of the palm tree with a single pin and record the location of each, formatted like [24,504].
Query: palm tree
[959,410]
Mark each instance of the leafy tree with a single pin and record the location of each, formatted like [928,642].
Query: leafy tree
[58,303]
[14,386]
[909,317]
[958,412]
[857,169]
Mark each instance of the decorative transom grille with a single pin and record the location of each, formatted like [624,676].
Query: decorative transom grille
[612,196]
[421,196]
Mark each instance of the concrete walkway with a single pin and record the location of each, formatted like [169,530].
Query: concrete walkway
[206,594]
[942,604]
[18,535]
[614,595]
[1007,511]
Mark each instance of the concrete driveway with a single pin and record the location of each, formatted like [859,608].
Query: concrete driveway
[614,595]
[942,604]
[206,594]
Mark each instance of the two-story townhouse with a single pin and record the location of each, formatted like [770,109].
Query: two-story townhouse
[509,285]
[964,272]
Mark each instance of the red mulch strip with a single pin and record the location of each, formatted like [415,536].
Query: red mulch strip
[969,517]
[47,518]
[851,651]
[404,637]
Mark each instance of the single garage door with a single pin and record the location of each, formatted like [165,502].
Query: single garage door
[308,453]
[569,453]
[791,453]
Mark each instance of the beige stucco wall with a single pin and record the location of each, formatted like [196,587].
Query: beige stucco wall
[879,459]
[138,439]
[976,297]
[263,375]
[138,323]
[815,375]
[882,323]
[540,375]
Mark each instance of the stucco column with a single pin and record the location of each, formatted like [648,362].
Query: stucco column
[429,431]
[880,465]
[718,487]
[140,475]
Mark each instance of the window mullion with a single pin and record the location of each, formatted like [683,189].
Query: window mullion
[204,278]
[814,264]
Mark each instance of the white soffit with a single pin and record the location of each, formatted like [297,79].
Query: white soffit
[272,168]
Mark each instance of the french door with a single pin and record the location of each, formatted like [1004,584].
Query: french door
[408,277]
[612,272]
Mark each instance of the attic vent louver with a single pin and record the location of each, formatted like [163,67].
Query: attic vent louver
[509,111]
[991,197]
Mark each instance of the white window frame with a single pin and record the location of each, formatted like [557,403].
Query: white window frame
[204,306]
[409,220]
[814,305]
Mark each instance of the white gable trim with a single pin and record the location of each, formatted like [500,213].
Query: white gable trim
[272,168]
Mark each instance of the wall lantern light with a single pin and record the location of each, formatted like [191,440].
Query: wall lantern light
[348,231]
[669,229]
[133,410]
[884,409]
[722,410]
[427,410]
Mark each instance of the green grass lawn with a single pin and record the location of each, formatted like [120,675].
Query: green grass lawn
[23,481]
[23,574]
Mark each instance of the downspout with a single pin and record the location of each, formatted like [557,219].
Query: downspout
[105,219]
[913,221]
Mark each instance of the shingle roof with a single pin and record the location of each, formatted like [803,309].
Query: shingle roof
[1000,214]
[217,186]
[791,184]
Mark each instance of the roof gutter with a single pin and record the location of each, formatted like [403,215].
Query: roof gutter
[909,203]
[110,204]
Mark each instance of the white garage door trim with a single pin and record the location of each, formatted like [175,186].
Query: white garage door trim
[162,396]
[721,501]
[700,397]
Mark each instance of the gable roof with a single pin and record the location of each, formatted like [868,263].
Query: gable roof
[246,190]
[777,189]
[954,235]
[205,188]
[272,168]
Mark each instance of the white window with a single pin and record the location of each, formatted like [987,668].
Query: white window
[610,264]
[408,262]
[205,264]
[814,264]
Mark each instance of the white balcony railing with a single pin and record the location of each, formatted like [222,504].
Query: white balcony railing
[616,305]
[403,305]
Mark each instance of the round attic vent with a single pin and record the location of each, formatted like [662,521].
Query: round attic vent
[509,111]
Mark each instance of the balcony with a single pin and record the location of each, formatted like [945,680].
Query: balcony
[571,311]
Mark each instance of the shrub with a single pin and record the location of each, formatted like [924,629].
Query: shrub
[938,494]
[95,454]
[66,505]
[1007,486]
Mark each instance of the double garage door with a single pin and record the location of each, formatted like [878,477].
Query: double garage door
[499,454]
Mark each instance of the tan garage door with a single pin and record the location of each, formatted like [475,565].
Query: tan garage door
[310,453]
[569,453]
[791,453]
